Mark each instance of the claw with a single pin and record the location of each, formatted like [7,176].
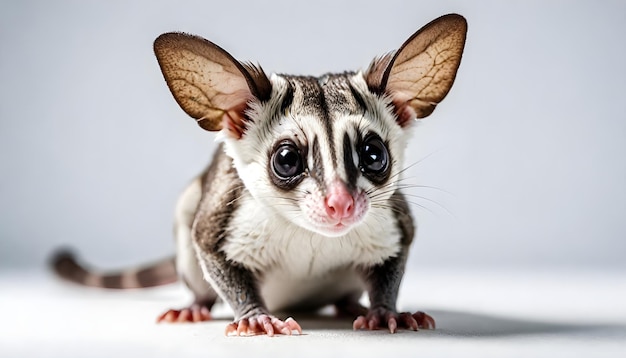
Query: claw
[408,321]
[392,324]
[293,325]
[424,320]
[381,317]
[263,324]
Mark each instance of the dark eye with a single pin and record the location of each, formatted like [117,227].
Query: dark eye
[287,161]
[374,155]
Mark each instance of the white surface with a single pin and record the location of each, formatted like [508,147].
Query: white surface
[481,314]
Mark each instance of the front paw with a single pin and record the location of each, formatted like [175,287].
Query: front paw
[262,324]
[380,317]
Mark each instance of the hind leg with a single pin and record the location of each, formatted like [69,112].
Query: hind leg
[187,263]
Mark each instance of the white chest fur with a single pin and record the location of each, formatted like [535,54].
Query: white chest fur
[301,269]
[262,240]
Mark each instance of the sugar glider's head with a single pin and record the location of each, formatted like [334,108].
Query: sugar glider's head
[323,152]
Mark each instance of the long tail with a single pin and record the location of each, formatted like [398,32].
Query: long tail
[159,273]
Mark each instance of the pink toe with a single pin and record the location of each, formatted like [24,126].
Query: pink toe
[293,325]
[359,323]
[231,329]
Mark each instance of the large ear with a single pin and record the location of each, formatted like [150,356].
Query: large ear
[420,74]
[208,83]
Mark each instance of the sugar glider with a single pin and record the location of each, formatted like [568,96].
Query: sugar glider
[301,206]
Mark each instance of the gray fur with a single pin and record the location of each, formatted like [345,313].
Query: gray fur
[292,212]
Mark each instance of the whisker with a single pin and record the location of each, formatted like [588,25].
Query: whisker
[432,201]
[397,210]
[403,170]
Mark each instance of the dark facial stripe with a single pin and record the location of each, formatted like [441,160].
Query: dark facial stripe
[278,110]
[357,97]
[352,171]
[325,117]
[317,169]
[287,98]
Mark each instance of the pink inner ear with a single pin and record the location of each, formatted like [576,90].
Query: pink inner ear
[404,112]
[234,118]
[234,121]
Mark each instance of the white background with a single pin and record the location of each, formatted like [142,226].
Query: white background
[528,148]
